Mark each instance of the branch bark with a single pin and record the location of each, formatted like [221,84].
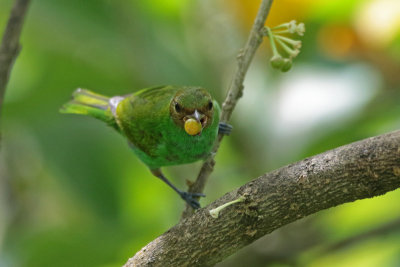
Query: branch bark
[234,93]
[10,46]
[364,169]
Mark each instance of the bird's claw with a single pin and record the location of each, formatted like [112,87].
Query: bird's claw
[224,128]
[190,198]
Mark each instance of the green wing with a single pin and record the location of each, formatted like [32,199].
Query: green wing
[143,115]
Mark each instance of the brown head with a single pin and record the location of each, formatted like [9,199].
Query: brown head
[192,109]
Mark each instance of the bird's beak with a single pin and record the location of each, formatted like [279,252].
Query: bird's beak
[193,124]
[197,115]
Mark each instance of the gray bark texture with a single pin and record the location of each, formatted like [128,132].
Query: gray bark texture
[363,169]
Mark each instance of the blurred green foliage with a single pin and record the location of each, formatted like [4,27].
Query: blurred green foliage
[71,191]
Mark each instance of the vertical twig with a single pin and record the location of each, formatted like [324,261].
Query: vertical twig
[10,46]
[9,50]
[234,93]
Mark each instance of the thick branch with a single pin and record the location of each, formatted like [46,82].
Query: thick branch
[234,93]
[364,169]
[10,44]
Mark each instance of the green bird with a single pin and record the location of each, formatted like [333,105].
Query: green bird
[165,125]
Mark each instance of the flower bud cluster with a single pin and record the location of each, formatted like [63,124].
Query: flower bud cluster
[291,47]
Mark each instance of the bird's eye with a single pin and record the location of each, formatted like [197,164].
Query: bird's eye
[178,107]
[210,105]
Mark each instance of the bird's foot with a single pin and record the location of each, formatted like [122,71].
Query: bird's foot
[224,128]
[190,198]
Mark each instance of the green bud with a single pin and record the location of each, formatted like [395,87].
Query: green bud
[296,44]
[292,26]
[287,65]
[300,29]
[277,61]
[291,52]
[294,53]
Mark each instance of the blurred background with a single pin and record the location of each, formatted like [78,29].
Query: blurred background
[73,194]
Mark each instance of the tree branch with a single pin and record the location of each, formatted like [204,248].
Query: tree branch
[364,169]
[234,93]
[10,47]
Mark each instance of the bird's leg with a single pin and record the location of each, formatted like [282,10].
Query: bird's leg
[224,128]
[190,198]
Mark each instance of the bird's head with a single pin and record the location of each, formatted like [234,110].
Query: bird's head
[192,109]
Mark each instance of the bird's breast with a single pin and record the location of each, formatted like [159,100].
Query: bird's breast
[183,148]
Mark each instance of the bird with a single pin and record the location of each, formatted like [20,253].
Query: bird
[164,125]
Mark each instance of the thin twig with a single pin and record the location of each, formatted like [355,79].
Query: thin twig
[359,170]
[10,46]
[234,93]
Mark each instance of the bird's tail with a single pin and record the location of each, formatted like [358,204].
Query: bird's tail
[86,102]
